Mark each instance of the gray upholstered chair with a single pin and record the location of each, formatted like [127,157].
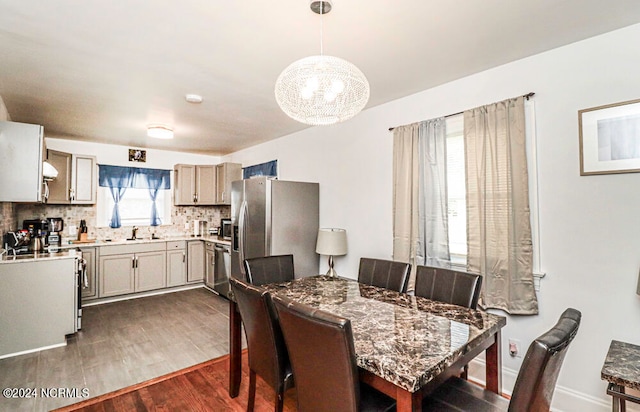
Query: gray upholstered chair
[448,286]
[534,386]
[267,351]
[323,359]
[384,273]
[269,269]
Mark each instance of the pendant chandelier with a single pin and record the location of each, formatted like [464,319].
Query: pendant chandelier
[321,90]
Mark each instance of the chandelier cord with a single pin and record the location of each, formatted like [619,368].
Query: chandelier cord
[321,33]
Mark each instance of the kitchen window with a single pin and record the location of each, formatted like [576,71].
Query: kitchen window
[133,196]
[135,207]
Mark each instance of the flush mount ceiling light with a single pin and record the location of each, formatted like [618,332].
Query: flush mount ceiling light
[158,131]
[321,90]
[193,98]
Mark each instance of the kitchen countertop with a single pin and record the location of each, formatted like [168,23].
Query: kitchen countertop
[214,239]
[64,254]
[68,250]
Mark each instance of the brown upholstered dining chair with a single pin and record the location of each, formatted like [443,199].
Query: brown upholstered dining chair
[448,286]
[323,359]
[269,269]
[267,351]
[384,273]
[534,385]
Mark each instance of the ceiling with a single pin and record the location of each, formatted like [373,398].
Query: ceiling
[103,70]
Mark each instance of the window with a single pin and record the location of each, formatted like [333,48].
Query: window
[133,196]
[135,207]
[456,191]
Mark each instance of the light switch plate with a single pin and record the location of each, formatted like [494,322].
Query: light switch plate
[72,229]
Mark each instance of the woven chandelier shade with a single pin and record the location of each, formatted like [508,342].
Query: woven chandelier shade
[321,90]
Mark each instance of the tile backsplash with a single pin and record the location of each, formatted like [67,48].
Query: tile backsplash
[7,217]
[72,214]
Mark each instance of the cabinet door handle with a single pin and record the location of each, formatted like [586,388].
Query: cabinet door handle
[133,262]
[184,256]
[136,262]
[71,194]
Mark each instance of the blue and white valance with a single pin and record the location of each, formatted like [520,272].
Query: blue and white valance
[124,177]
[263,169]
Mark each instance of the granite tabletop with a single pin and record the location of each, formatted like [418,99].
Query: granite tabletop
[404,339]
[622,365]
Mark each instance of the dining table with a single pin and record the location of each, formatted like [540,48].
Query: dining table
[406,346]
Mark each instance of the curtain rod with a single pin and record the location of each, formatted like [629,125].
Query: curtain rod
[526,96]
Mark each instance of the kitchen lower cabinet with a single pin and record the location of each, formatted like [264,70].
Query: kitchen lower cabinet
[176,263]
[38,306]
[89,285]
[150,271]
[196,264]
[117,275]
[210,264]
[122,273]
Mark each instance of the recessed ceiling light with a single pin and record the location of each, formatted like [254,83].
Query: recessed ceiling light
[193,98]
[159,131]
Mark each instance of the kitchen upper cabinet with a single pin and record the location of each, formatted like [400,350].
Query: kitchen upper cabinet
[77,178]
[60,187]
[225,174]
[194,185]
[21,155]
[196,261]
[84,179]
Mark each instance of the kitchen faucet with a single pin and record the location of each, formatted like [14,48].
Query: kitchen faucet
[133,232]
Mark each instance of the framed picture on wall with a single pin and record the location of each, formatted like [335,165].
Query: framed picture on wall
[610,138]
[137,155]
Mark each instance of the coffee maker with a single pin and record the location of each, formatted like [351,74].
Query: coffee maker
[38,230]
[54,239]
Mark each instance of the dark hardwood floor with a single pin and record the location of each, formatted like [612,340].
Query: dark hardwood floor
[201,387]
[122,344]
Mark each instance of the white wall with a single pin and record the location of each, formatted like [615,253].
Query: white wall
[116,155]
[589,226]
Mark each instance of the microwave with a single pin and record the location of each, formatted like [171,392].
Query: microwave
[225,229]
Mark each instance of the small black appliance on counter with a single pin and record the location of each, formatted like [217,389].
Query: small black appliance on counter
[54,239]
[38,230]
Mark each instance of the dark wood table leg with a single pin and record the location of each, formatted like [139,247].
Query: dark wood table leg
[494,365]
[235,349]
[407,401]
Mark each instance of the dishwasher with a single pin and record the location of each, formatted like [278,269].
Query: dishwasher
[222,270]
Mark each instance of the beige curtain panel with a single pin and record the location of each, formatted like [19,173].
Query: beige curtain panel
[405,195]
[498,215]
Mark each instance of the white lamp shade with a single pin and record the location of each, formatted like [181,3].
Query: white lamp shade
[332,242]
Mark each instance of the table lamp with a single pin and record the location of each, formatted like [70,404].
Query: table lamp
[331,242]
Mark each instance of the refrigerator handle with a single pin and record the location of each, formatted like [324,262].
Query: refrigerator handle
[241,234]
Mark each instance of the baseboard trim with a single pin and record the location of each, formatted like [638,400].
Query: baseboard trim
[564,399]
[101,301]
[25,352]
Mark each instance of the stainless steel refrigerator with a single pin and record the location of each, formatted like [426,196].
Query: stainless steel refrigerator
[274,217]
